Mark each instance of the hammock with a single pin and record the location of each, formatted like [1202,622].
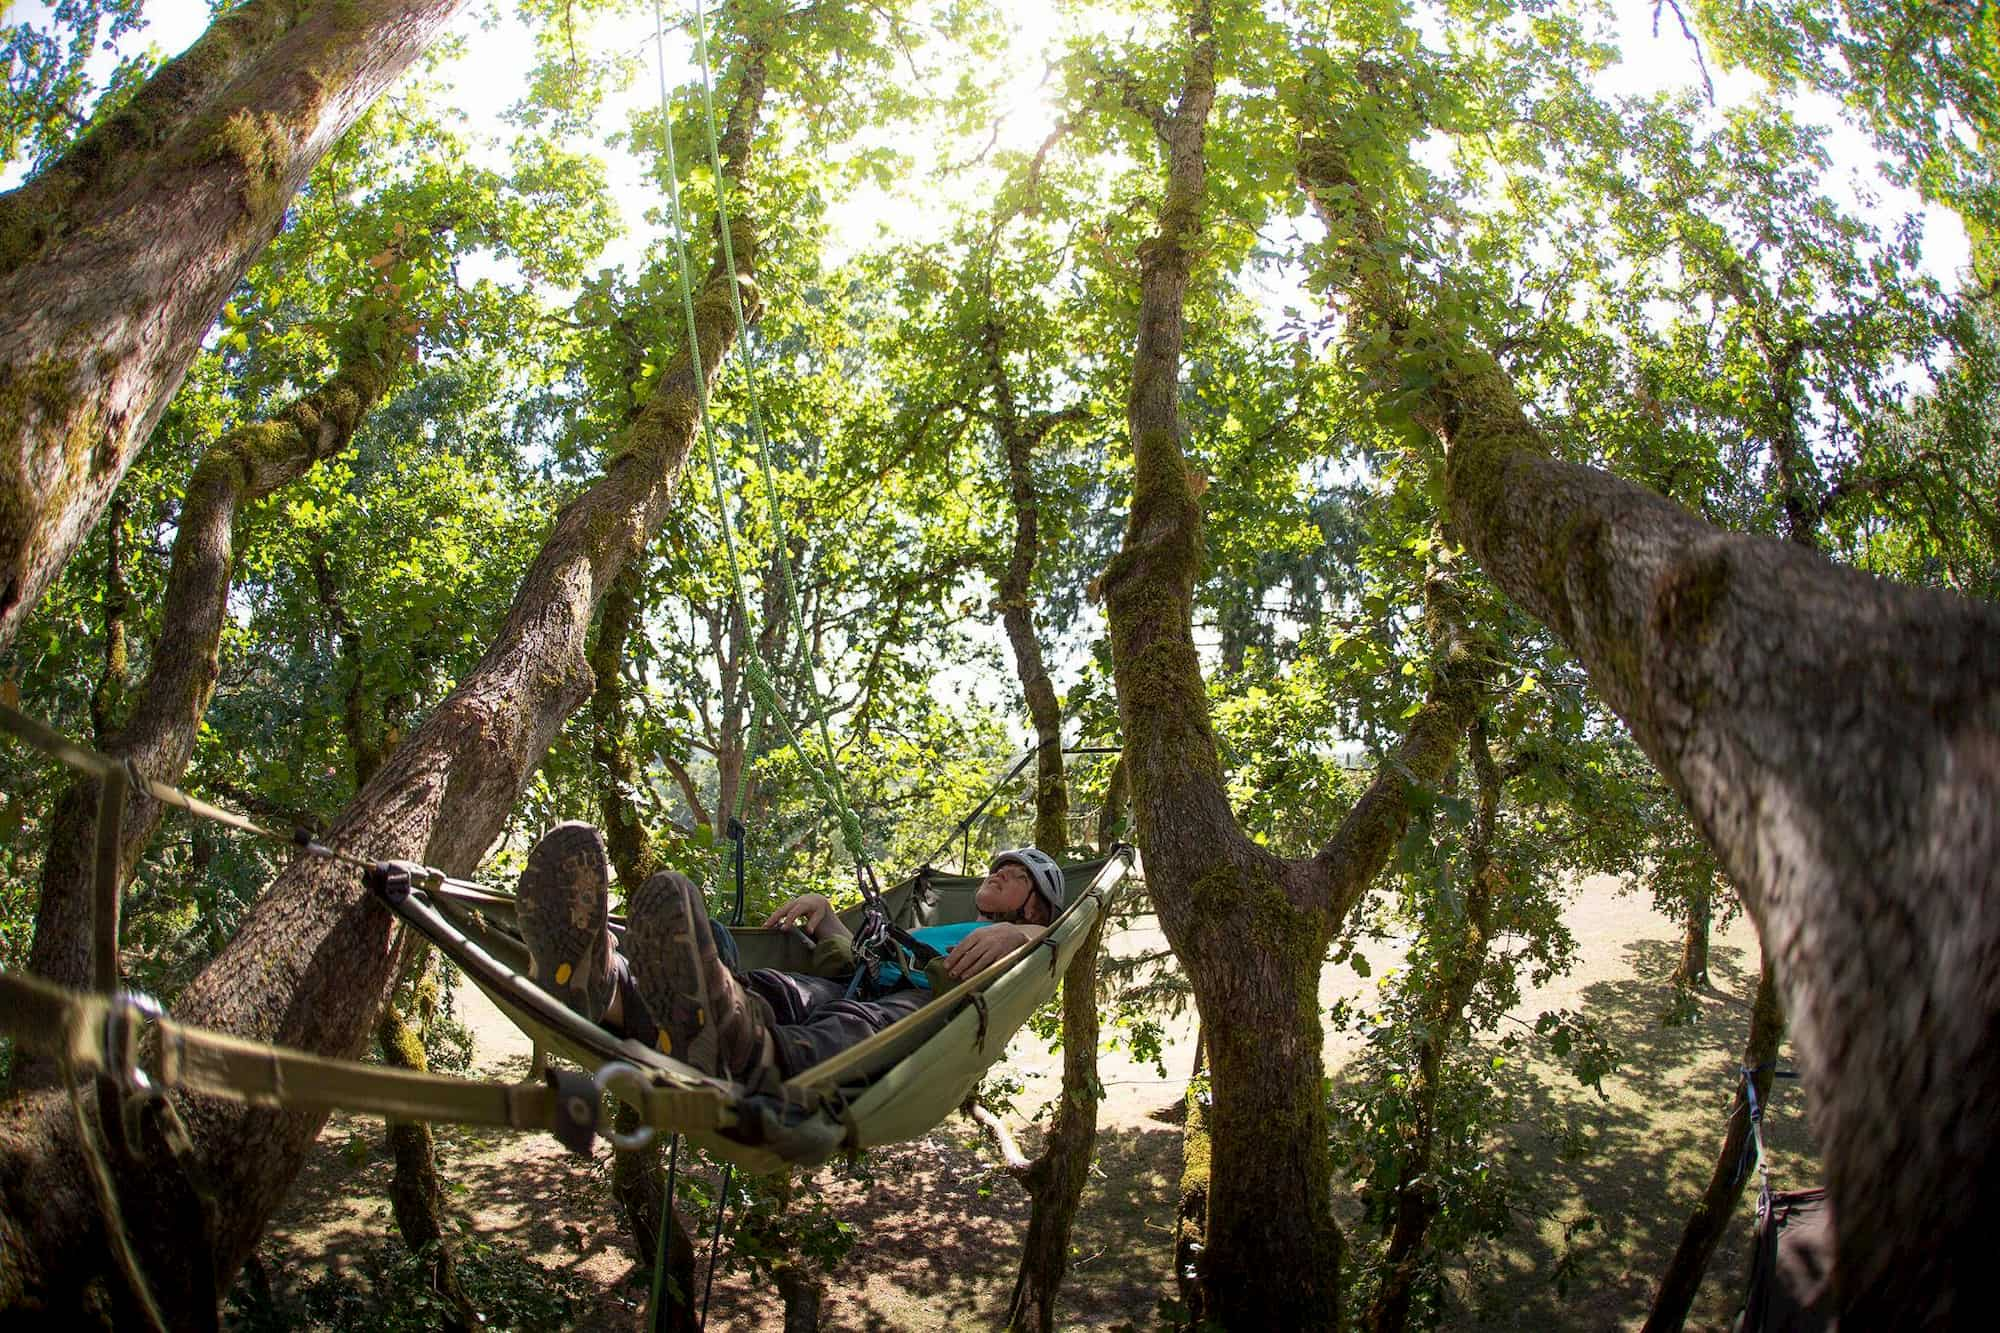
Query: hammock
[1791,1266]
[898,1084]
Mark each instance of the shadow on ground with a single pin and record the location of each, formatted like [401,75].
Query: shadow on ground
[937,1228]
[1630,1165]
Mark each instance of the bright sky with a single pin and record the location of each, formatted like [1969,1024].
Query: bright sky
[491,74]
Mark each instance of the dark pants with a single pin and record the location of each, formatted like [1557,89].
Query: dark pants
[811,1019]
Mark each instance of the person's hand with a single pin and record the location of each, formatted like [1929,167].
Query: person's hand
[810,912]
[987,946]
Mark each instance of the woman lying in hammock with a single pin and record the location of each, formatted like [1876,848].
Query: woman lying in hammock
[670,986]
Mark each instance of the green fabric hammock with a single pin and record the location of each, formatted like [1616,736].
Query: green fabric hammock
[898,1084]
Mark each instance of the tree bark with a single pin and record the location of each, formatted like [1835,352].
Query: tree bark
[638,1187]
[315,958]
[1837,739]
[1114,817]
[1019,437]
[635,1176]
[107,701]
[1251,929]
[1191,1216]
[804,1292]
[1417,1201]
[1692,970]
[246,465]
[1055,1180]
[416,1197]
[613,771]
[116,258]
[1712,1215]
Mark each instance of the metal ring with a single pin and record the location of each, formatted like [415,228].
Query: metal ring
[624,1081]
[121,1041]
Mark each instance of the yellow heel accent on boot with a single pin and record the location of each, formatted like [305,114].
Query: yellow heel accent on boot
[665,1043]
[562,975]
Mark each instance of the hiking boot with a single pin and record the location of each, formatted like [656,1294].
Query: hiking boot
[564,903]
[705,1017]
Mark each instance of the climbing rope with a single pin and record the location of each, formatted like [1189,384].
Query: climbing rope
[825,777]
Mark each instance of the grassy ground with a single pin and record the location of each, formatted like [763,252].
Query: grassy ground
[937,1229]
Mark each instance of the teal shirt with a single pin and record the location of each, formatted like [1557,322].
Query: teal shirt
[941,938]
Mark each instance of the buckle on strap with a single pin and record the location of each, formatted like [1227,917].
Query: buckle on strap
[125,1023]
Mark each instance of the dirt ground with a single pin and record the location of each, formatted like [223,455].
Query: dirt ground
[938,1227]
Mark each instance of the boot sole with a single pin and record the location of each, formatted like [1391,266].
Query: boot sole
[667,969]
[564,904]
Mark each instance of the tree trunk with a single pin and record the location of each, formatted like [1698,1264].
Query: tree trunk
[637,1185]
[116,258]
[1251,930]
[1191,1216]
[613,770]
[1692,970]
[1713,1214]
[107,701]
[246,465]
[315,958]
[1417,1201]
[803,1292]
[1055,1180]
[635,1176]
[735,767]
[415,1195]
[1114,817]
[1018,439]
[1837,739]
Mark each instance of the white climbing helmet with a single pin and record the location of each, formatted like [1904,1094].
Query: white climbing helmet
[1043,873]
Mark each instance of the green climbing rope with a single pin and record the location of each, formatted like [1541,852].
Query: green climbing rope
[825,777]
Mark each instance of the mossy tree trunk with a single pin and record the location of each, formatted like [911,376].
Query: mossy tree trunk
[1450,990]
[117,256]
[1114,817]
[1717,1207]
[1836,738]
[1251,929]
[369,737]
[1692,970]
[107,699]
[635,1176]
[804,1293]
[613,770]
[1020,434]
[1191,1215]
[1055,1179]
[315,958]
[416,1197]
[166,709]
[736,736]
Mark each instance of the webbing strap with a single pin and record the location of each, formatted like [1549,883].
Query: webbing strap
[1755,1143]
[82,1028]
[84,760]
[109,881]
